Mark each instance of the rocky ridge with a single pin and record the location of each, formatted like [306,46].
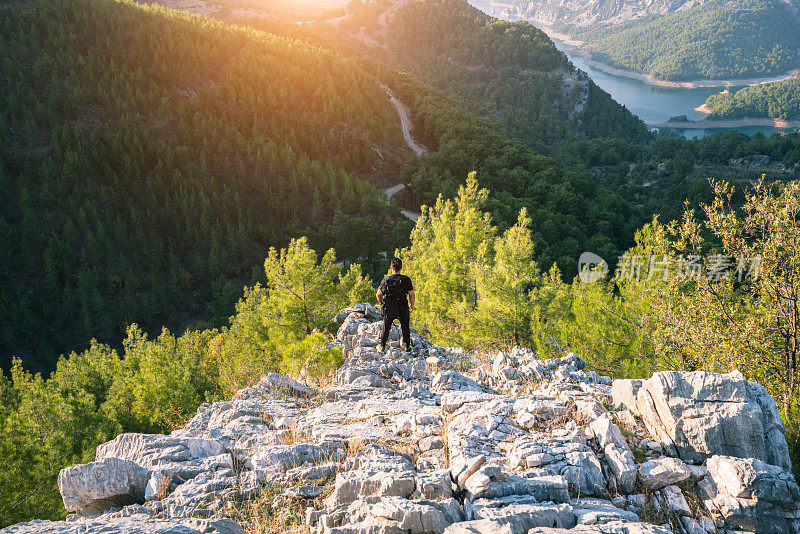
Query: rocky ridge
[441,441]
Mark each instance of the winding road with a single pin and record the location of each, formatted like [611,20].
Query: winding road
[406,125]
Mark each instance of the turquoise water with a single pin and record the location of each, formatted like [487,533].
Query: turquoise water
[652,103]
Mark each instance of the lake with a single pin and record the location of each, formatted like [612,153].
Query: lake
[652,103]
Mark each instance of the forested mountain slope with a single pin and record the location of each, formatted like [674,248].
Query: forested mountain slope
[145,174]
[715,39]
[511,71]
[148,158]
[777,100]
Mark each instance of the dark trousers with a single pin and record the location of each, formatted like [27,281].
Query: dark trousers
[392,311]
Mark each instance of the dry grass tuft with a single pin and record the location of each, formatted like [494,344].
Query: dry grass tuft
[268,511]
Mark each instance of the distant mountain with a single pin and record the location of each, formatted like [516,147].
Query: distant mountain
[680,41]
[585,13]
[509,71]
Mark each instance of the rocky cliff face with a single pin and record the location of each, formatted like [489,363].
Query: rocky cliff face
[441,442]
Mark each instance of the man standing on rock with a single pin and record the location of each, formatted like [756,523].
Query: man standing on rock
[396,297]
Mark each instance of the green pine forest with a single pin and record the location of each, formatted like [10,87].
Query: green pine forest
[776,100]
[714,40]
[144,175]
[169,180]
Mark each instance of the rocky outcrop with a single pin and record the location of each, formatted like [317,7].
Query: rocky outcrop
[439,440]
[98,486]
[699,414]
[130,523]
[748,494]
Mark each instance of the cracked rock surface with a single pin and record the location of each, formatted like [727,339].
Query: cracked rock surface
[441,441]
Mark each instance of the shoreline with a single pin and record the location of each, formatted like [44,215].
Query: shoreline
[648,78]
[705,124]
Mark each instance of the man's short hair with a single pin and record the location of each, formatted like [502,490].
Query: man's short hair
[396,264]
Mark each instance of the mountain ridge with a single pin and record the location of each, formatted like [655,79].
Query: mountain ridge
[404,442]
[681,41]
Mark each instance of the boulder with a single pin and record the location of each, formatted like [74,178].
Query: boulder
[599,512]
[698,414]
[544,488]
[98,486]
[608,433]
[479,526]
[623,393]
[435,485]
[152,451]
[612,527]
[395,514]
[352,485]
[272,462]
[304,492]
[675,502]
[661,472]
[463,468]
[530,412]
[618,456]
[133,524]
[748,494]
[584,474]
[453,381]
[623,466]
[522,513]
[278,383]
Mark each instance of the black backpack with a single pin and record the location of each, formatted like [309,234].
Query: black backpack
[393,290]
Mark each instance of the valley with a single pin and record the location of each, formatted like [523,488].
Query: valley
[655,101]
[681,42]
[192,190]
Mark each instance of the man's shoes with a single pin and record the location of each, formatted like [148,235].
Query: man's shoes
[381,349]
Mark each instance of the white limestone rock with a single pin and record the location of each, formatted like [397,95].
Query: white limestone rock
[675,502]
[618,455]
[522,513]
[543,488]
[613,527]
[453,381]
[748,494]
[624,392]
[479,526]
[152,451]
[658,473]
[698,414]
[134,524]
[352,485]
[512,462]
[272,462]
[98,486]
[395,514]
[599,512]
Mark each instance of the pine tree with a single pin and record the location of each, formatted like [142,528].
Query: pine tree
[504,285]
[302,289]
